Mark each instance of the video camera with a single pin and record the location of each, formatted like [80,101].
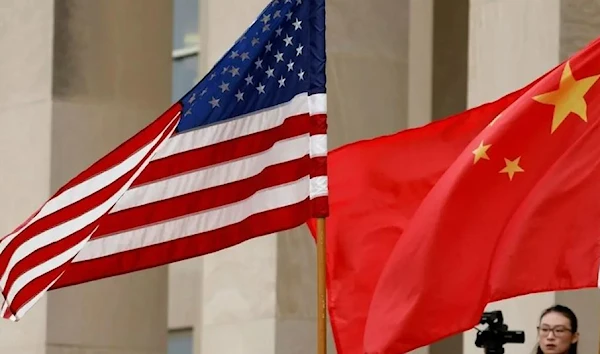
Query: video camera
[493,338]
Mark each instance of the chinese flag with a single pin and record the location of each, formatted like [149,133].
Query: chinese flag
[517,212]
[375,186]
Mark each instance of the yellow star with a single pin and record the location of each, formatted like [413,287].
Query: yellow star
[512,167]
[569,98]
[495,119]
[481,152]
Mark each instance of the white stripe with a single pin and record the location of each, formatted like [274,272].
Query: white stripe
[243,125]
[317,104]
[264,200]
[67,228]
[318,187]
[217,175]
[318,145]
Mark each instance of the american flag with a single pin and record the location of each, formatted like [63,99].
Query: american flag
[243,154]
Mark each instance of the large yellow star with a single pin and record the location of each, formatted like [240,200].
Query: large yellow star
[481,152]
[569,98]
[512,167]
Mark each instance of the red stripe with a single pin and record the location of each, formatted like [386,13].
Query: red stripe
[224,151]
[188,247]
[318,124]
[126,149]
[199,201]
[76,209]
[319,207]
[318,166]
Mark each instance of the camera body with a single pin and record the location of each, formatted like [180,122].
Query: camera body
[493,338]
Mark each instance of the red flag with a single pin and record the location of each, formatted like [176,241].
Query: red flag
[518,212]
[374,188]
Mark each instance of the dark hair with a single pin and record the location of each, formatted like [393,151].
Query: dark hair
[568,313]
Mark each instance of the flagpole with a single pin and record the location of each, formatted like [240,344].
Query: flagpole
[321,289]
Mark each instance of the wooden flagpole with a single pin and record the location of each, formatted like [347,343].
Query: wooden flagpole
[321,289]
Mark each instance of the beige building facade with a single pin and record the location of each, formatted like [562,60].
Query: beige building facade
[77,77]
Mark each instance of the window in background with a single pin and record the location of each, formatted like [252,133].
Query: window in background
[180,342]
[186,47]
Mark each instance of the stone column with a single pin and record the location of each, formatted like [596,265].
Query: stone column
[238,286]
[449,89]
[511,43]
[25,144]
[260,296]
[77,80]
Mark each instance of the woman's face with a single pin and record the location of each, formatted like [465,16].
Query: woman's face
[555,334]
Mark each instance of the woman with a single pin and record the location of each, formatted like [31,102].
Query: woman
[557,331]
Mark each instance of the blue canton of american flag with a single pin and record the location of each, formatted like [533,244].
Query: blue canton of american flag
[243,154]
[274,61]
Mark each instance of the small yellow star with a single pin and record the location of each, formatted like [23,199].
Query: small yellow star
[512,167]
[495,119]
[569,98]
[481,152]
